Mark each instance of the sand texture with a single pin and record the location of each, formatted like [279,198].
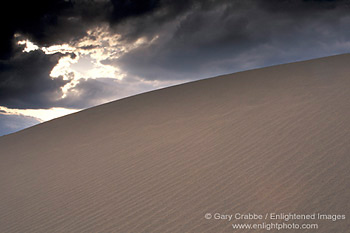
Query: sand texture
[275,139]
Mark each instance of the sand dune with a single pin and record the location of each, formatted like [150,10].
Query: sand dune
[271,140]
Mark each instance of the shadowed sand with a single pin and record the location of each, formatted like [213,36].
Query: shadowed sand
[275,139]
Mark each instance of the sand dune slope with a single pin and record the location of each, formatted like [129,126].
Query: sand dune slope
[272,140]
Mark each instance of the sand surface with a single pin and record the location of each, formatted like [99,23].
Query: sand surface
[272,140]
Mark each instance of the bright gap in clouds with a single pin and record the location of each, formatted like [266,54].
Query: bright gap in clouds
[84,57]
[29,46]
[83,60]
[40,114]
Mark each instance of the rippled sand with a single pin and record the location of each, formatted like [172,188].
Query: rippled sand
[268,140]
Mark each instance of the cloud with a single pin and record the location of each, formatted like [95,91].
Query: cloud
[25,80]
[123,9]
[211,38]
[91,92]
[13,123]
[63,21]
[33,18]
[181,41]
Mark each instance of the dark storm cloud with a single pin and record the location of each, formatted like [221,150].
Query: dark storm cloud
[125,8]
[302,7]
[34,18]
[62,21]
[210,38]
[58,21]
[25,81]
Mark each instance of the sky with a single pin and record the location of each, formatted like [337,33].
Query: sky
[61,56]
